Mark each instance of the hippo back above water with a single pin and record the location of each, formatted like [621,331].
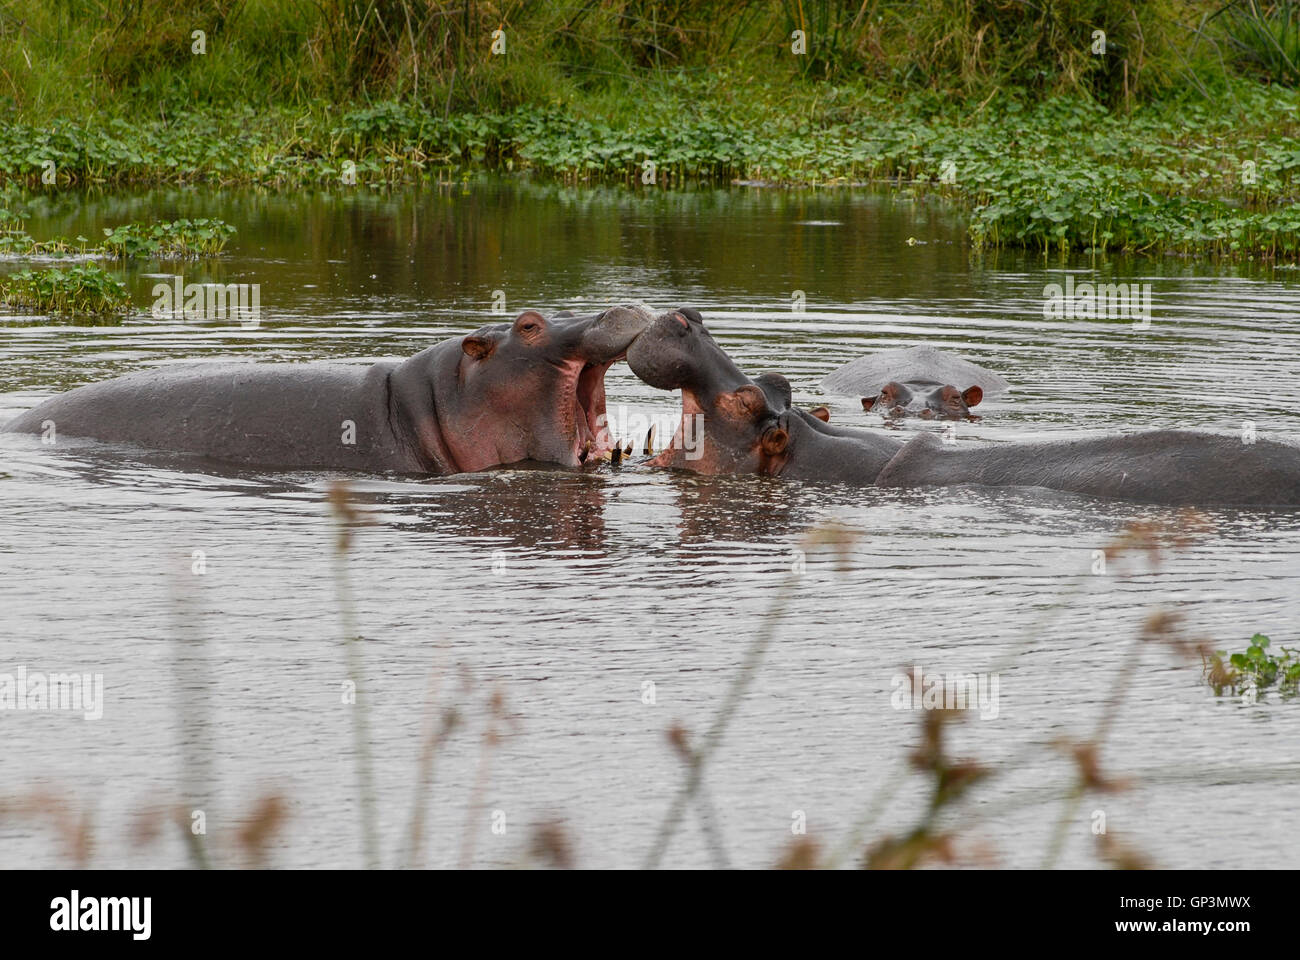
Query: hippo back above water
[919,381]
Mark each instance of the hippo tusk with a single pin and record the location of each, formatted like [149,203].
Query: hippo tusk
[649,441]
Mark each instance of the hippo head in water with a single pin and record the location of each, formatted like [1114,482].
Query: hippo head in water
[728,425]
[732,424]
[916,382]
[533,389]
[926,400]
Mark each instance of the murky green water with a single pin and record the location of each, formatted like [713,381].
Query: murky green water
[567,594]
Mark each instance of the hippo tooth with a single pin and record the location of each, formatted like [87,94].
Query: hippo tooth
[649,441]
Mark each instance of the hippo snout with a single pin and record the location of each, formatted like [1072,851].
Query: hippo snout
[663,355]
[612,332]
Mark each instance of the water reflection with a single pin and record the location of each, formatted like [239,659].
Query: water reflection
[569,591]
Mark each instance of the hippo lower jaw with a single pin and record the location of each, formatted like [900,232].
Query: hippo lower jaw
[672,454]
[586,414]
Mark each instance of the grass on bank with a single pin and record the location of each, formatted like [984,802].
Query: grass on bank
[76,57]
[1176,134]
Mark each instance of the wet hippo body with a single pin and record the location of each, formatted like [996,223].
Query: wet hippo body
[528,390]
[287,415]
[1178,467]
[750,426]
[917,381]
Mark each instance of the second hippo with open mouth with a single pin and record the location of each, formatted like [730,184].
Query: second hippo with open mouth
[744,425]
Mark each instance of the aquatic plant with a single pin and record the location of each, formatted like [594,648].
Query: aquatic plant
[15,240]
[1254,669]
[1080,125]
[170,240]
[85,292]
[1063,174]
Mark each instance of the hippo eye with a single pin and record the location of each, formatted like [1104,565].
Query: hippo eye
[529,323]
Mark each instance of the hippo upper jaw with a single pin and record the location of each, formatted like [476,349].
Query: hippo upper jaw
[581,410]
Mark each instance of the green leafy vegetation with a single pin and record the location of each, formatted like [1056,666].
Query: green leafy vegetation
[1154,127]
[14,239]
[173,240]
[87,293]
[1255,668]
[168,240]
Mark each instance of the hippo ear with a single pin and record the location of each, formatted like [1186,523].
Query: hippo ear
[477,346]
[869,402]
[743,403]
[774,441]
[691,314]
[823,413]
[972,396]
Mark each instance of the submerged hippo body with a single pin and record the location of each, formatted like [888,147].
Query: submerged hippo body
[1178,467]
[529,390]
[917,381]
[750,426]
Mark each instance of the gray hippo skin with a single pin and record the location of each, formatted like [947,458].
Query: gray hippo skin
[1178,467]
[747,426]
[750,426]
[916,381]
[533,389]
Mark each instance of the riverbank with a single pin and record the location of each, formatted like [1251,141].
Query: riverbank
[1153,127]
[1172,177]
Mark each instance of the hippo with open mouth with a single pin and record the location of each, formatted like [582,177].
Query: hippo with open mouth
[917,381]
[750,426]
[533,389]
[732,424]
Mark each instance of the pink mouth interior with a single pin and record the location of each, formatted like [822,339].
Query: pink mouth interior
[690,407]
[591,436]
